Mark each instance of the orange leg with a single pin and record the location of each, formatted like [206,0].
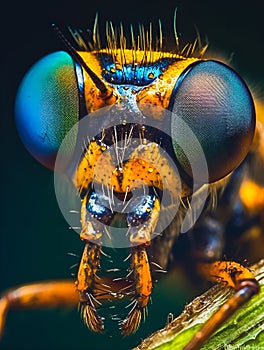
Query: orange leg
[38,295]
[142,284]
[235,276]
[48,294]
[143,288]
[86,284]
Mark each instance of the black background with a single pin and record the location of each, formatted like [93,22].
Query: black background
[35,238]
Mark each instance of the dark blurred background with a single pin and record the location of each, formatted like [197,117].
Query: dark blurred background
[34,238]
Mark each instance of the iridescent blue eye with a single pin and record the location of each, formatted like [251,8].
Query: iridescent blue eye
[47,106]
[214,102]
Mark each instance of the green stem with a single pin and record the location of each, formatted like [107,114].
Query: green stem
[245,330]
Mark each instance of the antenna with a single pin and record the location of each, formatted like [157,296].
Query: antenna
[175,29]
[74,54]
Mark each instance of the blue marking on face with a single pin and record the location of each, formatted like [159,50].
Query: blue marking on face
[133,74]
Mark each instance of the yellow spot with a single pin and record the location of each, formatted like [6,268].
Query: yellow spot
[115,172]
[118,65]
[252,196]
[151,75]
[150,170]
[112,70]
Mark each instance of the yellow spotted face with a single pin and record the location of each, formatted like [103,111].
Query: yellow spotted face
[143,87]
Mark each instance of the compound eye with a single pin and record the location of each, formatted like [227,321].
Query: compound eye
[47,106]
[211,99]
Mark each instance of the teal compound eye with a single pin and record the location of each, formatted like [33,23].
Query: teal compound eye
[47,106]
[212,105]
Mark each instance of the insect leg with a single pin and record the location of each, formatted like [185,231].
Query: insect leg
[140,268]
[48,294]
[86,286]
[143,288]
[87,273]
[235,276]
[37,295]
